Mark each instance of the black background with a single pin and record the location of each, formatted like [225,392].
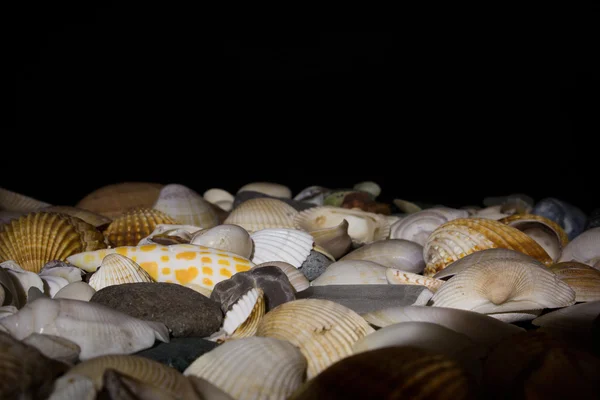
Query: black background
[108,94]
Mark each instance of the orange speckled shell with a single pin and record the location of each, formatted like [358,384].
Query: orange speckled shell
[114,200]
[133,226]
[514,220]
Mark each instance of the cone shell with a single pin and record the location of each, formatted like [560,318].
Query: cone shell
[252,368]
[460,237]
[243,317]
[352,273]
[12,201]
[418,226]
[323,330]
[398,277]
[392,253]
[96,220]
[186,206]
[262,213]
[116,270]
[296,278]
[288,245]
[114,200]
[334,240]
[584,248]
[268,188]
[39,237]
[231,238]
[134,225]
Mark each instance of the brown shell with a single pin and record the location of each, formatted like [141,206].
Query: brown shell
[38,237]
[114,200]
[97,220]
[513,221]
[13,201]
[460,237]
[582,278]
[134,225]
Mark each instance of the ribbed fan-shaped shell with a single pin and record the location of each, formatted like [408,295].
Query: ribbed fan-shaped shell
[582,278]
[39,237]
[114,200]
[186,206]
[297,278]
[288,245]
[134,225]
[116,270]
[96,220]
[12,201]
[324,331]
[252,368]
[352,272]
[245,314]
[262,213]
[585,248]
[418,226]
[392,253]
[398,277]
[460,237]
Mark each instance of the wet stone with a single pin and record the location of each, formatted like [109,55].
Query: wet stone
[314,265]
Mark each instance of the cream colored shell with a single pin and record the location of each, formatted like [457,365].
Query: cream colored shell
[398,277]
[117,270]
[268,188]
[585,248]
[392,253]
[262,213]
[335,240]
[13,201]
[582,278]
[288,245]
[186,206]
[231,238]
[296,278]
[352,272]
[418,226]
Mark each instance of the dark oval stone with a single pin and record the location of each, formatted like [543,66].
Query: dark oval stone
[314,265]
[569,217]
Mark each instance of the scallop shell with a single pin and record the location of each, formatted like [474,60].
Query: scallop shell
[268,188]
[296,278]
[370,187]
[585,248]
[116,270]
[582,278]
[252,368]
[392,253]
[185,206]
[39,237]
[76,291]
[96,220]
[364,227]
[231,238]
[262,213]
[112,201]
[243,317]
[219,197]
[398,277]
[323,330]
[460,237]
[13,201]
[287,245]
[352,272]
[418,226]
[134,225]
[334,240]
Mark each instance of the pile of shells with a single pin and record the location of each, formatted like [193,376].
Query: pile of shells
[328,293]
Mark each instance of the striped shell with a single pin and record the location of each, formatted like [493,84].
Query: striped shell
[13,201]
[114,200]
[262,213]
[39,237]
[418,226]
[323,330]
[352,272]
[134,225]
[288,245]
[296,278]
[398,277]
[460,237]
[116,270]
[186,206]
[582,278]
[97,220]
[244,316]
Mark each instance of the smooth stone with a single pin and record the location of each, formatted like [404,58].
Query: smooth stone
[365,298]
[273,281]
[183,310]
[314,265]
[248,195]
[179,353]
[569,217]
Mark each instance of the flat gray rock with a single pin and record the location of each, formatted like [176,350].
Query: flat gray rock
[314,265]
[179,353]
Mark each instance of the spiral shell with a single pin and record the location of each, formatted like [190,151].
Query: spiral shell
[114,200]
[262,213]
[186,206]
[287,245]
[116,270]
[134,225]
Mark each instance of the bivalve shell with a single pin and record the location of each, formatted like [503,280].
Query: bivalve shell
[219,197]
[398,277]
[96,220]
[231,238]
[288,245]
[116,270]
[13,201]
[334,240]
[585,248]
[114,200]
[243,317]
[271,189]
[352,272]
[418,226]
[134,225]
[186,206]
[585,280]
[392,253]
[262,213]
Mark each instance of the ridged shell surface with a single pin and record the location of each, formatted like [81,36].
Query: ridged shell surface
[392,253]
[116,270]
[262,213]
[268,188]
[91,218]
[288,245]
[13,201]
[134,225]
[114,200]
[418,226]
[582,278]
[352,272]
[323,330]
[186,206]
[243,309]
[296,278]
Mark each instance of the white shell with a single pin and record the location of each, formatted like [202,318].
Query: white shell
[186,206]
[423,298]
[398,277]
[71,274]
[232,238]
[370,187]
[76,291]
[418,226]
[262,213]
[54,347]
[268,188]
[296,278]
[22,280]
[6,311]
[352,273]
[219,197]
[491,212]
[334,240]
[53,284]
[240,311]
[73,387]
[392,253]
[511,317]
[288,245]
[116,270]
[585,248]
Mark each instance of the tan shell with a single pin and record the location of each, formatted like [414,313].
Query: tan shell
[96,220]
[256,214]
[39,237]
[334,240]
[323,330]
[398,277]
[13,201]
[116,270]
[418,226]
[186,206]
[232,238]
[114,200]
[134,225]
[460,237]
[296,278]
[582,278]
[244,316]
[352,272]
[268,188]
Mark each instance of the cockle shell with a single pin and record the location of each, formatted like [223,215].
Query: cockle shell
[585,248]
[352,272]
[231,238]
[185,206]
[243,317]
[13,201]
[182,263]
[7,216]
[460,237]
[335,240]
[96,220]
[117,269]
[296,278]
[323,330]
[418,226]
[582,278]
[95,328]
[114,200]
[256,214]
[392,253]
[134,225]
[364,227]
[252,368]
[271,189]
[220,198]
[76,291]
[38,237]
[398,277]
[287,245]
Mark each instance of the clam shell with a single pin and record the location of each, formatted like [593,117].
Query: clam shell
[73,387]
[13,201]
[585,248]
[76,291]
[493,212]
[364,227]
[134,225]
[243,317]
[262,213]
[313,195]
[231,238]
[112,201]
[392,253]
[271,189]
[334,240]
[120,386]
[460,237]
[352,272]
[370,187]
[185,206]
[53,284]
[323,330]
[116,270]
[296,278]
[219,197]
[582,278]
[39,237]
[418,226]
[96,220]
[54,347]
[398,277]
[252,368]
[288,245]
[512,317]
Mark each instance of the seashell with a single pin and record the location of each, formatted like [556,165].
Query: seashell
[252,368]
[116,270]
[582,278]
[206,390]
[7,216]
[392,253]
[460,237]
[53,284]
[271,189]
[352,272]
[480,328]
[418,226]
[73,387]
[313,195]
[323,330]
[577,318]
[114,200]
[182,263]
[36,238]
[13,201]
[231,238]
[501,285]
[22,281]
[512,317]
[8,291]
[54,347]
[95,328]
[391,373]
[296,278]
[398,277]
[545,232]
[96,220]
[585,248]
[364,227]
[335,240]
[5,311]
[219,197]
[514,200]
[423,298]
[569,217]
[168,234]
[256,214]
[134,225]
[243,317]
[62,269]
[370,187]
[287,245]
[186,206]
[337,198]
[116,385]
[494,213]
[75,291]
[406,206]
